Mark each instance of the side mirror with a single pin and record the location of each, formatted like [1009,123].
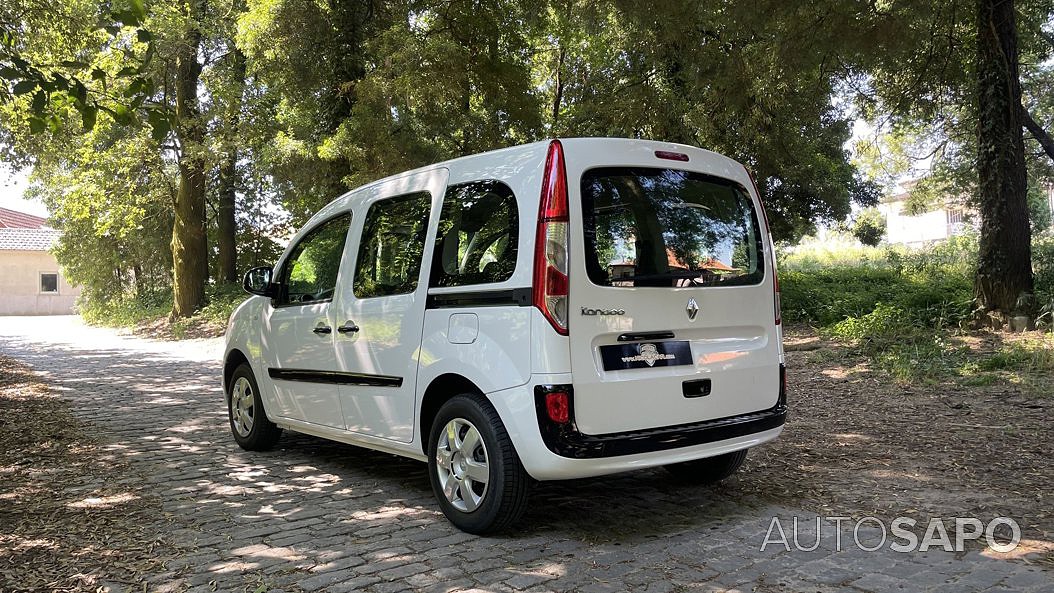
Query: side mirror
[258,281]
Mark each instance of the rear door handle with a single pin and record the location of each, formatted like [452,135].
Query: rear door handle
[323,329]
[638,336]
[349,327]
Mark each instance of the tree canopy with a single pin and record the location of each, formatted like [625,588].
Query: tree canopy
[222,122]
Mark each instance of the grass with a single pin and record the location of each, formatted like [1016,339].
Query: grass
[908,310]
[151,313]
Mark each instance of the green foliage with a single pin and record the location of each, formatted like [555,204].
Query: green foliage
[869,227]
[1043,267]
[131,310]
[905,309]
[103,68]
[932,288]
[885,322]
[110,195]
[301,100]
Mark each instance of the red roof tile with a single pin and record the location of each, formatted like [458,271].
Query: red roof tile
[13,219]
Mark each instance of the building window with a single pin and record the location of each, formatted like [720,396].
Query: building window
[49,282]
[955,217]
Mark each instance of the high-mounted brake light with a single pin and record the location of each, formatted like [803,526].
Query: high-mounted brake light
[673,156]
[768,231]
[551,286]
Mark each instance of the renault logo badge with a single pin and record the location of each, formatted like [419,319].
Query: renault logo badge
[692,308]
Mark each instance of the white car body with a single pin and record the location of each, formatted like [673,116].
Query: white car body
[492,339]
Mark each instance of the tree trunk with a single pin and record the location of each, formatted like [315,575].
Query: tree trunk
[189,249]
[1004,272]
[226,241]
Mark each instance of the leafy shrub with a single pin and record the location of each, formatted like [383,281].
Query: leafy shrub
[885,322]
[869,227]
[1043,266]
[131,310]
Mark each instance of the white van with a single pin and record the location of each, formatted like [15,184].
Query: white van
[563,309]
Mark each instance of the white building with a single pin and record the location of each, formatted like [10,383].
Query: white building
[31,282]
[931,226]
[921,229]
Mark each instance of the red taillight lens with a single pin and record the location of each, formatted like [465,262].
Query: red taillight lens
[558,407]
[768,231]
[551,286]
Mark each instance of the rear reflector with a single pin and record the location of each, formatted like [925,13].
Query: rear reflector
[558,407]
[672,156]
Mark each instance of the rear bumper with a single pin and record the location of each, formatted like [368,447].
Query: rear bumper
[566,441]
[575,455]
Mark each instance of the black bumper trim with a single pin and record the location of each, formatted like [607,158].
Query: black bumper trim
[566,441]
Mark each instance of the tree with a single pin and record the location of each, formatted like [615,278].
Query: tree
[869,227]
[189,250]
[228,177]
[1004,272]
[953,75]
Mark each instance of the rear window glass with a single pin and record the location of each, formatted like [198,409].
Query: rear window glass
[664,227]
[476,241]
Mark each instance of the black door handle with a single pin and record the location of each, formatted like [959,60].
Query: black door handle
[635,337]
[349,327]
[323,329]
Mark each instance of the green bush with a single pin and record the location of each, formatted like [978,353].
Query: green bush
[825,297]
[1043,266]
[885,322]
[131,310]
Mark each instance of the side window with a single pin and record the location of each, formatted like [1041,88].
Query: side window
[477,238]
[392,244]
[310,273]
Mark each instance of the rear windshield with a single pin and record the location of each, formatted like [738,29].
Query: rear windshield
[664,227]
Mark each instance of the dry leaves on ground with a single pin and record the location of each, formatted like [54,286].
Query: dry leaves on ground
[72,517]
[857,443]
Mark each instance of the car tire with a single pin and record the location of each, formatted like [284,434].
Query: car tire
[474,470]
[251,428]
[709,470]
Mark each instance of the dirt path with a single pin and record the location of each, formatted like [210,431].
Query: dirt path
[860,444]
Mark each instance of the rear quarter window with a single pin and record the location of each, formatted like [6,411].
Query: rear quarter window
[476,242]
[669,228]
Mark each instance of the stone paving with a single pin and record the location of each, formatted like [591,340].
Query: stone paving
[319,516]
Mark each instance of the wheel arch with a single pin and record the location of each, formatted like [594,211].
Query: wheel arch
[235,358]
[439,391]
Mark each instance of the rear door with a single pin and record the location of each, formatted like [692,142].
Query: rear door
[672,317]
[380,310]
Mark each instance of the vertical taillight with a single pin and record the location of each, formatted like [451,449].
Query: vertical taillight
[772,263]
[551,286]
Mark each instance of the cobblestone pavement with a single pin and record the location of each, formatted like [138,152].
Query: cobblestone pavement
[313,515]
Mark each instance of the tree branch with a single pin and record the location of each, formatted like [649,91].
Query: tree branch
[1037,131]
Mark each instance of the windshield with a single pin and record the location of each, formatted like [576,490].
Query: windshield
[664,227]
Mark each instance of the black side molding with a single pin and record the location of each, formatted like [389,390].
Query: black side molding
[514,297]
[334,377]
